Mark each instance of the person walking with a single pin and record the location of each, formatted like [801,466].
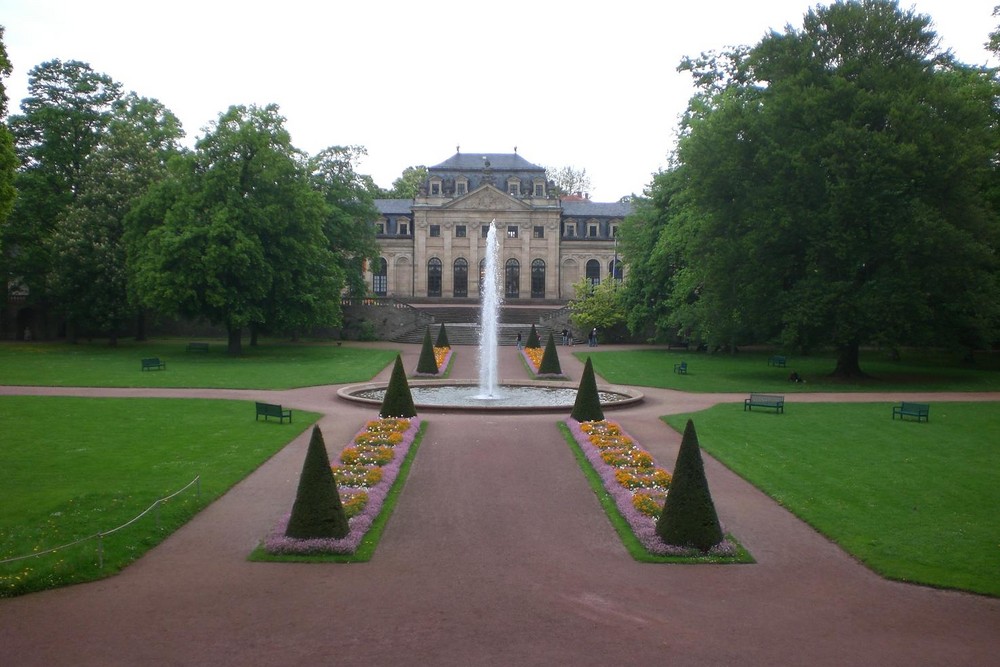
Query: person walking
[565,336]
[519,340]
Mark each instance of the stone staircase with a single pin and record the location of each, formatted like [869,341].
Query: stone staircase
[462,325]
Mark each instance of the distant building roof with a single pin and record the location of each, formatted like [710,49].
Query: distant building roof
[477,162]
[577,208]
[394,206]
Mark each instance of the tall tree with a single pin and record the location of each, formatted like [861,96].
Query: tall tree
[350,211]
[63,120]
[236,235]
[8,159]
[407,186]
[568,180]
[833,186]
[88,277]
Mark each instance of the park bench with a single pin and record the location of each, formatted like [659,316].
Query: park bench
[153,364]
[272,410]
[681,368]
[777,360]
[764,401]
[919,410]
[197,347]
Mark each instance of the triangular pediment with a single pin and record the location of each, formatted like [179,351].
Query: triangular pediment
[487,198]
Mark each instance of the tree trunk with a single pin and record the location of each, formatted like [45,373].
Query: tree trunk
[253,336]
[848,363]
[140,325]
[235,348]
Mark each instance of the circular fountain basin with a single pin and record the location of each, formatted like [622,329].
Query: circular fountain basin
[511,396]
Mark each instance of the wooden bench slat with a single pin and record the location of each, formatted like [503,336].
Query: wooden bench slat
[774,401]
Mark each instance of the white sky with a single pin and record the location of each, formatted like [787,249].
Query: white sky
[587,84]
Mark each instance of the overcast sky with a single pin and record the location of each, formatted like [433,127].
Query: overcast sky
[591,85]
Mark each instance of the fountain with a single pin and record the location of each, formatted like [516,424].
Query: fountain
[491,395]
[489,319]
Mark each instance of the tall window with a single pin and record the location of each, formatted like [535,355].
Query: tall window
[538,279]
[512,231]
[615,269]
[461,275]
[380,277]
[512,279]
[538,232]
[482,277]
[486,231]
[434,277]
[435,230]
[460,231]
[594,272]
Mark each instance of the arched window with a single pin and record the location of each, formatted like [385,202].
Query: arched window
[380,277]
[434,277]
[460,272]
[512,279]
[594,272]
[538,279]
[615,269]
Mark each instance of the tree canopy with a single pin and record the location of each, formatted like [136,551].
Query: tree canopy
[833,185]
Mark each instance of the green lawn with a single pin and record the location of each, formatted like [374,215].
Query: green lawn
[73,467]
[748,371]
[914,501]
[267,366]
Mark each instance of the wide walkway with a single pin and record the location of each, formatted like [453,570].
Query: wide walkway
[498,553]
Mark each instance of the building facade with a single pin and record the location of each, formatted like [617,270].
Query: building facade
[433,246]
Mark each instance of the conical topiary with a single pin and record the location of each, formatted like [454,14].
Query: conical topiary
[688,518]
[442,339]
[317,511]
[398,401]
[587,407]
[427,362]
[550,359]
[533,338]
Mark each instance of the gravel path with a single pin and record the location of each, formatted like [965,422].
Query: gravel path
[497,554]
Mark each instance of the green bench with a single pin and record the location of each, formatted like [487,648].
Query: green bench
[777,360]
[681,368]
[772,401]
[153,364]
[271,410]
[197,347]
[905,409]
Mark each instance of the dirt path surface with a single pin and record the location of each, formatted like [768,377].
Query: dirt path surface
[498,553]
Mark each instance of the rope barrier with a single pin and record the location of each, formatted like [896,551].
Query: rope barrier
[100,535]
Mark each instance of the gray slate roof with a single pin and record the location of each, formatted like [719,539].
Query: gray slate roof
[579,209]
[475,162]
[394,206]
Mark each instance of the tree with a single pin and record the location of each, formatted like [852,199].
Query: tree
[598,306]
[88,278]
[237,233]
[8,159]
[63,120]
[317,512]
[442,338]
[587,406]
[350,210]
[532,340]
[689,518]
[819,177]
[549,365]
[427,362]
[398,401]
[568,180]
[407,186]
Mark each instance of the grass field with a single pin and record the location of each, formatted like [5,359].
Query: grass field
[749,371]
[267,366]
[73,467]
[914,501]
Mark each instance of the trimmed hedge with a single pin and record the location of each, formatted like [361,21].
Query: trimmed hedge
[317,511]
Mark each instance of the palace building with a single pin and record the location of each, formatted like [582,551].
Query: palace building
[432,246]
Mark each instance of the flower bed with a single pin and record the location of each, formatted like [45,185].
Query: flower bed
[533,357]
[632,479]
[365,473]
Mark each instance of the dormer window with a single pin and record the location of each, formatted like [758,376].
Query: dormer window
[435,188]
[514,187]
[539,188]
[461,186]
